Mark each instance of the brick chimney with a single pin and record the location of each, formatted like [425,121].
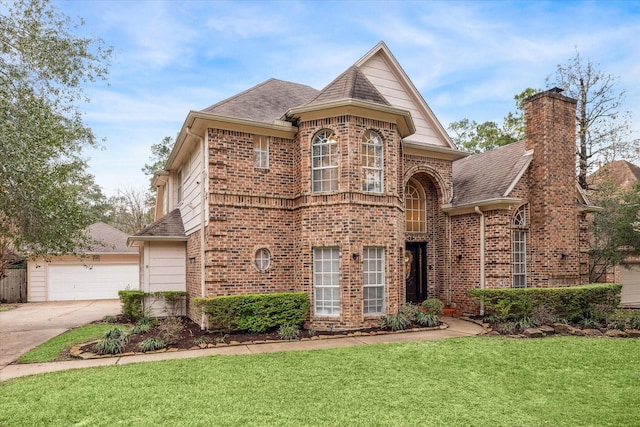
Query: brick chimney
[550,131]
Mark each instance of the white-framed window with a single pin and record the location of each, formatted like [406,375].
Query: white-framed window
[324,161]
[519,248]
[183,175]
[373,270]
[262,259]
[414,203]
[372,162]
[261,152]
[326,281]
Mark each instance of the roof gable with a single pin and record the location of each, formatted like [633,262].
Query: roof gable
[385,73]
[352,84]
[170,225]
[621,173]
[107,239]
[489,175]
[266,102]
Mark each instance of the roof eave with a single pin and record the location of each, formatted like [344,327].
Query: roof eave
[198,121]
[404,121]
[498,203]
[133,240]
[412,147]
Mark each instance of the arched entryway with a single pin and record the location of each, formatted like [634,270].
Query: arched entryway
[424,236]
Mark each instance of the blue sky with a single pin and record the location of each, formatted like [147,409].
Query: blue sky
[467,58]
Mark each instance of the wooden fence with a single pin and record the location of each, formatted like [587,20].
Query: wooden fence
[13,288]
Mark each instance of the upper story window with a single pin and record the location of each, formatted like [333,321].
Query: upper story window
[519,247]
[261,152]
[324,161]
[414,203]
[372,162]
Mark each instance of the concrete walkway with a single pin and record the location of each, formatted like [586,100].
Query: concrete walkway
[457,328]
[34,323]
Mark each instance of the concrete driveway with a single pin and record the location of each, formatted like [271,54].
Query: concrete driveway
[31,324]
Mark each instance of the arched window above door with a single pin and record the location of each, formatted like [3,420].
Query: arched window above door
[414,202]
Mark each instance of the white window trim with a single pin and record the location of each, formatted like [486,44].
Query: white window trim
[324,281]
[519,248]
[261,145]
[324,138]
[367,137]
[421,198]
[259,259]
[377,275]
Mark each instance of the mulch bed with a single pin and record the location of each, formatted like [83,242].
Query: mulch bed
[192,337]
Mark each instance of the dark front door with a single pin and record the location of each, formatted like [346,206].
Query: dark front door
[416,271]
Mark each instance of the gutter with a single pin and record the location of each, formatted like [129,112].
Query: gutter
[482,254]
[203,201]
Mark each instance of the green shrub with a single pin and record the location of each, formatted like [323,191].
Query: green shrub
[109,346]
[113,333]
[131,303]
[110,319]
[426,319]
[433,306]
[573,302]
[255,312]
[201,341]
[152,344]
[395,322]
[506,328]
[288,332]
[409,311]
[141,328]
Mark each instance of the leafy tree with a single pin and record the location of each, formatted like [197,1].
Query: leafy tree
[615,228]
[159,156]
[43,66]
[603,126]
[129,210]
[475,138]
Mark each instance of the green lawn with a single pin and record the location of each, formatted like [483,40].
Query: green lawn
[480,381]
[51,349]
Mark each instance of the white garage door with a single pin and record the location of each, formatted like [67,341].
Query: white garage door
[630,278]
[77,282]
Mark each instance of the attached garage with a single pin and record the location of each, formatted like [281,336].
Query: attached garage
[80,282]
[630,278]
[110,266]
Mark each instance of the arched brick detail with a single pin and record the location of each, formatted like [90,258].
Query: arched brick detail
[444,192]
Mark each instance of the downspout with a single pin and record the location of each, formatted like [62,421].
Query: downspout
[203,211]
[482,251]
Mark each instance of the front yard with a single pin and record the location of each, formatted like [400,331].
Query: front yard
[481,381]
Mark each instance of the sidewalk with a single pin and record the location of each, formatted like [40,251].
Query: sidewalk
[457,328]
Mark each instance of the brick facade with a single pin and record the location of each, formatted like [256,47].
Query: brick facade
[276,209]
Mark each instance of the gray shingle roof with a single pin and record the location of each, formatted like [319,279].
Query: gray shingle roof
[107,239]
[488,175]
[170,225]
[352,84]
[265,102]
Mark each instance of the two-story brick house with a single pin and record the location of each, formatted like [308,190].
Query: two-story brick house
[356,195]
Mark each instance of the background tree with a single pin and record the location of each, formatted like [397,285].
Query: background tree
[128,210]
[159,155]
[615,234]
[603,126]
[43,66]
[470,136]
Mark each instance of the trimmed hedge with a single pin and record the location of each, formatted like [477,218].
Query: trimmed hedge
[572,303]
[133,301]
[255,312]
